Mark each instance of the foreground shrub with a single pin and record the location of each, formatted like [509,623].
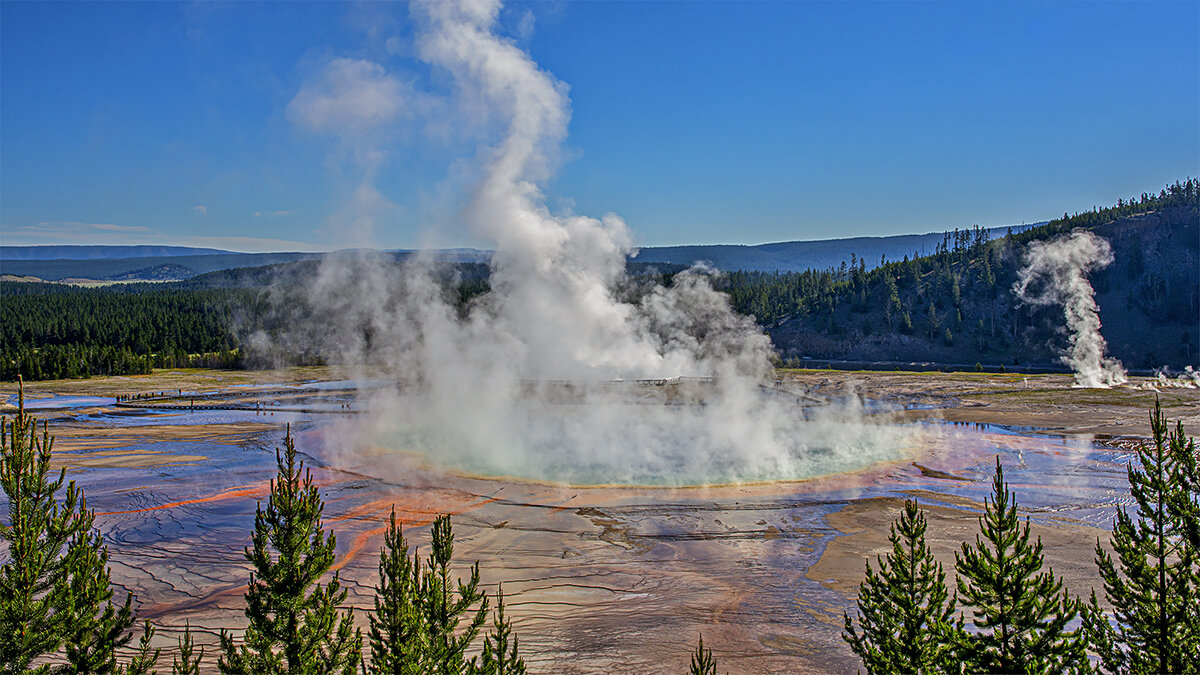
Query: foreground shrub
[904,611]
[703,662]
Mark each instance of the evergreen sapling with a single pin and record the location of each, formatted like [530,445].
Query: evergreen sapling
[187,663]
[1152,584]
[1020,612]
[445,607]
[55,590]
[398,634]
[292,629]
[904,609]
[144,660]
[500,656]
[703,662]
[34,584]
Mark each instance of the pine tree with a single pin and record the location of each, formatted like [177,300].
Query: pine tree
[97,626]
[906,617]
[418,623]
[499,656]
[445,608]
[1185,508]
[186,663]
[34,584]
[144,660]
[1020,612]
[292,630]
[703,662]
[55,591]
[398,632]
[1153,585]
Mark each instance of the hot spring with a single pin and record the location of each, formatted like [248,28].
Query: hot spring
[668,433]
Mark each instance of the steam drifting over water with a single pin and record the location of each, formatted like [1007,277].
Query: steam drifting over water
[560,308]
[1055,273]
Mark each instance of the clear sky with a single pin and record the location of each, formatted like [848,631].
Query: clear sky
[698,122]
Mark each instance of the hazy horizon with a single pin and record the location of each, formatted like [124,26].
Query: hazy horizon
[489,250]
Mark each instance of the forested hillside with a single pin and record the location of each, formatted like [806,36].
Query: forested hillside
[52,331]
[798,256]
[954,306]
[177,264]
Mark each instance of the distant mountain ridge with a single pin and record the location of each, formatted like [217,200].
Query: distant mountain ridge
[126,269]
[797,256]
[77,252]
[129,263]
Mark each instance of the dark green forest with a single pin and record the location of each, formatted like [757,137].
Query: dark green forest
[953,306]
[52,331]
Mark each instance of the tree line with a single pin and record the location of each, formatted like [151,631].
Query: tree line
[54,331]
[955,302]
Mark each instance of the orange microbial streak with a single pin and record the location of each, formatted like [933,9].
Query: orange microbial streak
[243,492]
[255,491]
[356,547]
[410,513]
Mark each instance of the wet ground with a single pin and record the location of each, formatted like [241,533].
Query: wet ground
[599,579]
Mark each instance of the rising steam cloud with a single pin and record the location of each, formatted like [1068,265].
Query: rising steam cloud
[554,278]
[1055,273]
[560,308]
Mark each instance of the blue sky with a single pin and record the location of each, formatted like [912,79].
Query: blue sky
[697,122]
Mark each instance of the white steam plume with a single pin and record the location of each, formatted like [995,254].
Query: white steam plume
[1188,379]
[554,278]
[561,308]
[1055,273]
